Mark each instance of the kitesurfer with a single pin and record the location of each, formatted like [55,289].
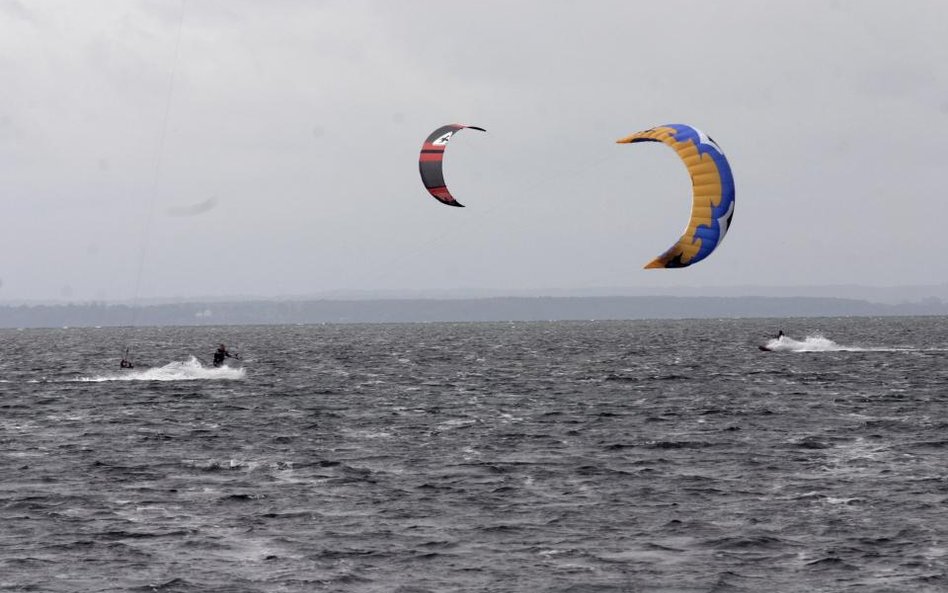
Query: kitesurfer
[221,354]
[779,334]
[126,363]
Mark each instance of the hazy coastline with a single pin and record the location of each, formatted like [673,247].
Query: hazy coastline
[401,310]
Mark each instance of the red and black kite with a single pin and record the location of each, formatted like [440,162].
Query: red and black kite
[432,155]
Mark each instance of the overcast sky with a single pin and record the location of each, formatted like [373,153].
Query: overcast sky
[219,147]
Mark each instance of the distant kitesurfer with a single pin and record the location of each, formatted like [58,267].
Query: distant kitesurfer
[779,334]
[221,354]
[126,363]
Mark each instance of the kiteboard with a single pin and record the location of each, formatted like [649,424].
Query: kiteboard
[765,349]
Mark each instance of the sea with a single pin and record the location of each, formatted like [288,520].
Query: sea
[587,456]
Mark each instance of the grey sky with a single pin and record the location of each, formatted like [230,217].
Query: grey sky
[289,160]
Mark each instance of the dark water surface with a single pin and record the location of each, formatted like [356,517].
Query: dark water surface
[668,456]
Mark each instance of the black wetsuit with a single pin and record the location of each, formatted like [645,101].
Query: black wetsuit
[220,355]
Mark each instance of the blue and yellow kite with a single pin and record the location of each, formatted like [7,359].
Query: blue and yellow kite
[713,185]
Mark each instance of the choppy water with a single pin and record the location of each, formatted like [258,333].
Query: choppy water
[668,456]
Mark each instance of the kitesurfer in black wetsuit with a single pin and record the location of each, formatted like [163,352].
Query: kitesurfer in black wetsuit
[126,363]
[779,334]
[221,354]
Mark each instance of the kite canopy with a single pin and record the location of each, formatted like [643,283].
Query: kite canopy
[713,188]
[430,161]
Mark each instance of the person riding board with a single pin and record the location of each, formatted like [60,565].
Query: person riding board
[221,354]
[126,363]
[780,334]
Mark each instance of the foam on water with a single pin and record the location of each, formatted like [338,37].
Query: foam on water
[188,370]
[819,343]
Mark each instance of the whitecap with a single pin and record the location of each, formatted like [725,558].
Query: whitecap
[819,343]
[188,370]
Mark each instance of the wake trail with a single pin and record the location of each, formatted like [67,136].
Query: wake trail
[189,370]
[819,343]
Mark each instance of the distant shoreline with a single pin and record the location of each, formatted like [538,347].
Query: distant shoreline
[288,312]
